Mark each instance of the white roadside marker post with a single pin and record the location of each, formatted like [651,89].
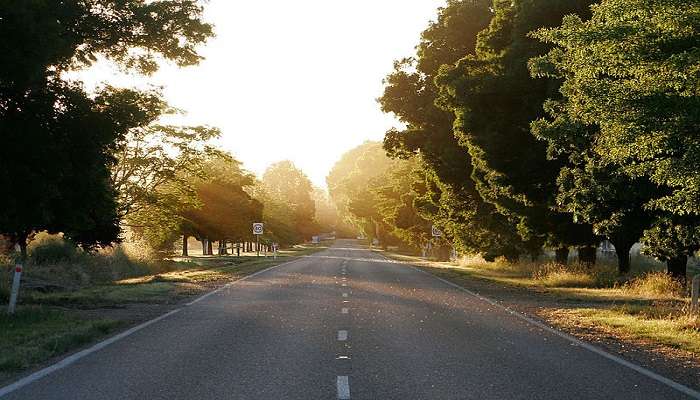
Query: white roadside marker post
[15,289]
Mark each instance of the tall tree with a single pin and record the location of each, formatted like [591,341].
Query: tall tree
[350,186]
[452,202]
[225,209]
[494,99]
[58,140]
[631,93]
[289,203]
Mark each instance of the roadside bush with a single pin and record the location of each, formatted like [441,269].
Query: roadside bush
[655,284]
[552,275]
[48,249]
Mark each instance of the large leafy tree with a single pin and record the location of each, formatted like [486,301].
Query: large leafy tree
[58,140]
[225,209]
[494,99]
[630,104]
[289,205]
[155,178]
[450,200]
[395,196]
[350,184]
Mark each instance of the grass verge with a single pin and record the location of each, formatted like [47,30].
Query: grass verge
[35,334]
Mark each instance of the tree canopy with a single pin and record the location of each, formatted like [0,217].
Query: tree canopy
[58,140]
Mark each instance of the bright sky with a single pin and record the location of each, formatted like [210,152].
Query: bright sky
[293,80]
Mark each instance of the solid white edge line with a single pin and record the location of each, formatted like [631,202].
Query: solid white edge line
[343,386]
[648,373]
[100,345]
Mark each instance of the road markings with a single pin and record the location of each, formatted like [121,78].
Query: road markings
[345,295]
[342,336]
[344,310]
[99,346]
[648,373]
[343,385]
[344,284]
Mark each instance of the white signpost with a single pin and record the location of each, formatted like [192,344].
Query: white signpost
[15,289]
[436,232]
[257,231]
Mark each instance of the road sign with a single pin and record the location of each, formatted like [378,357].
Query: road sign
[436,232]
[257,228]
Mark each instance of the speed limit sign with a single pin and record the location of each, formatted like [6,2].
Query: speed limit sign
[257,228]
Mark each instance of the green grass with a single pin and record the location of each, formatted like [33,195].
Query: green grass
[681,331]
[35,334]
[106,295]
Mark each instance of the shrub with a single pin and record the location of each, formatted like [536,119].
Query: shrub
[51,250]
[655,284]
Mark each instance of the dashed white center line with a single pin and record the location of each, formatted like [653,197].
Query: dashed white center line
[344,310]
[343,388]
[342,335]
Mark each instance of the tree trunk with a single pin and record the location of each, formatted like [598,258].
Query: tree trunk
[561,255]
[677,267]
[622,251]
[23,249]
[210,247]
[184,246]
[222,247]
[587,255]
[512,257]
[204,246]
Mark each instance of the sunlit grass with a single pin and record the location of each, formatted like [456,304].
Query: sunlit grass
[657,323]
[35,334]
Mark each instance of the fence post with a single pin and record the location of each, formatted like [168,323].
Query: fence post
[15,289]
[695,292]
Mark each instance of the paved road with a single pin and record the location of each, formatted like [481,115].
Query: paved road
[343,323]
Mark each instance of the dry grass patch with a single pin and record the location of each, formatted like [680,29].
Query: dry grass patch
[679,329]
[655,285]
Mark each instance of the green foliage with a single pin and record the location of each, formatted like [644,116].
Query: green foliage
[445,193]
[632,71]
[224,210]
[58,140]
[154,178]
[289,212]
[351,184]
[494,99]
[52,249]
[625,120]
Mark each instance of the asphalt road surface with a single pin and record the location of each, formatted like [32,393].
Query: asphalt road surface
[344,323]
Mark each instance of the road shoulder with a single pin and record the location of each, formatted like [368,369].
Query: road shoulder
[561,312]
